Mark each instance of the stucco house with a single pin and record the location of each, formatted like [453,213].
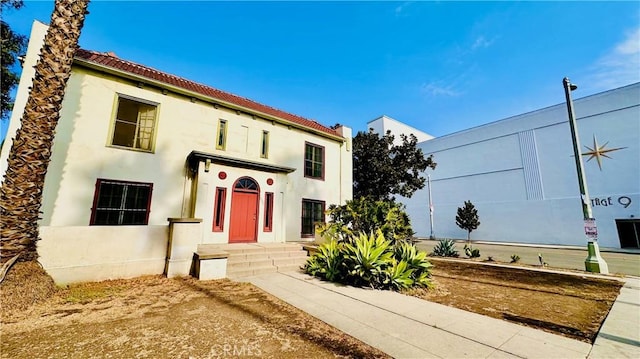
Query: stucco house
[520,174]
[137,149]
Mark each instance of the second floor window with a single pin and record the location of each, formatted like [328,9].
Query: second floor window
[264,148]
[221,139]
[313,161]
[134,125]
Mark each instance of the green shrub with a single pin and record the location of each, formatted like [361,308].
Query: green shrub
[471,252]
[372,261]
[364,215]
[515,258]
[445,248]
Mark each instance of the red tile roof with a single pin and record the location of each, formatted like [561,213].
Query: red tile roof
[112,61]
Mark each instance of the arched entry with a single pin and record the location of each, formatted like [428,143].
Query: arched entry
[244,211]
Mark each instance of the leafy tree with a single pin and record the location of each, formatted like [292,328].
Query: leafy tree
[382,169]
[13,45]
[367,216]
[21,191]
[467,218]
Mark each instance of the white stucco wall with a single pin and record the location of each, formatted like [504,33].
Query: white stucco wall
[84,253]
[385,123]
[82,154]
[520,174]
[38,32]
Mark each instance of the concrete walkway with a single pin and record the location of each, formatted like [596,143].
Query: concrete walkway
[408,327]
[619,336]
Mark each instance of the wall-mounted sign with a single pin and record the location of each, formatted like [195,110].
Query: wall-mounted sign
[623,201]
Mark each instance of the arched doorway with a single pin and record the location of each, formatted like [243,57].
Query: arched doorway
[244,211]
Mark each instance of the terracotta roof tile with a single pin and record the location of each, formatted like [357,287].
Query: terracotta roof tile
[111,60]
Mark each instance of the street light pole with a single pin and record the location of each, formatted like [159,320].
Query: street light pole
[430,207]
[594,262]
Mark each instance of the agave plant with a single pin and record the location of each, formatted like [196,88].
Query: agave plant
[417,262]
[414,257]
[471,252]
[445,248]
[399,275]
[367,257]
[327,262]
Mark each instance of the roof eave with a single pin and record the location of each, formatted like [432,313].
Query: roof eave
[180,90]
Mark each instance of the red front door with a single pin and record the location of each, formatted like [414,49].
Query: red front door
[244,211]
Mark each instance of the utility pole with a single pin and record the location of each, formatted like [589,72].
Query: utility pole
[594,262]
[430,207]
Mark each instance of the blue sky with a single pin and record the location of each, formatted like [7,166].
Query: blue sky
[438,66]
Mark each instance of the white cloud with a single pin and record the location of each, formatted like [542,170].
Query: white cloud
[435,89]
[401,8]
[631,45]
[481,42]
[621,66]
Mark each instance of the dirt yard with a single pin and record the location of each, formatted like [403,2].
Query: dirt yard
[184,318]
[156,317]
[573,306]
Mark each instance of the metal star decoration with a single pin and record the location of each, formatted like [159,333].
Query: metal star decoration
[598,152]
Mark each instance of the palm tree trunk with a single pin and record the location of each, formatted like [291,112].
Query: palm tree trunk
[21,191]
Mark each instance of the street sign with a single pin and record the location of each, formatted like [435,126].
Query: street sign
[590,229]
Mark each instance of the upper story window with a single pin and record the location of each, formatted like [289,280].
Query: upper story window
[135,124]
[264,148]
[221,140]
[121,203]
[313,161]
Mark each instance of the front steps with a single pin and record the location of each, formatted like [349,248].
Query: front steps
[249,259]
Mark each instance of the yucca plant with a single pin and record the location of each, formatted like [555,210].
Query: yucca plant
[445,248]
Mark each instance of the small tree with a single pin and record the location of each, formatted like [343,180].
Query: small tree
[467,218]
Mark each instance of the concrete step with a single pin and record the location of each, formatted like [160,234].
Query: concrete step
[233,274]
[245,264]
[234,257]
[250,259]
[289,261]
[290,268]
[260,248]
